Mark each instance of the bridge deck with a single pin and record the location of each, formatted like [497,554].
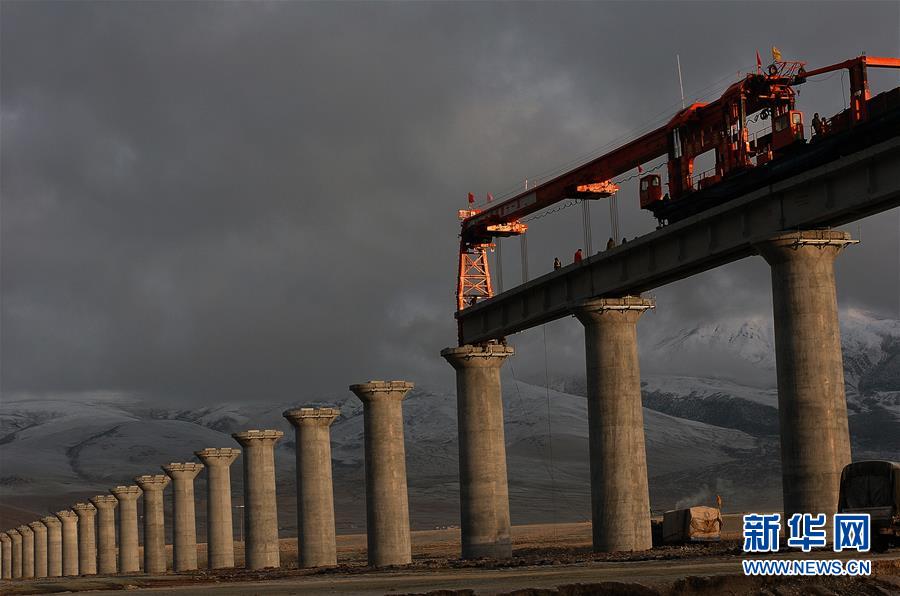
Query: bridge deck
[850,188]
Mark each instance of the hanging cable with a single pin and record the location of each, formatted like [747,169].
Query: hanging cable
[614,217]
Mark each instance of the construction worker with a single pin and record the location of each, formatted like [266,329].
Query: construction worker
[624,239]
[578,256]
[817,125]
[610,244]
[556,264]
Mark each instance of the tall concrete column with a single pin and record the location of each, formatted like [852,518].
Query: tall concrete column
[87,540]
[184,528]
[153,486]
[387,500]
[16,553]
[27,550]
[483,488]
[620,496]
[260,506]
[106,533]
[219,524]
[6,552]
[812,408]
[69,521]
[129,554]
[315,493]
[40,548]
[54,546]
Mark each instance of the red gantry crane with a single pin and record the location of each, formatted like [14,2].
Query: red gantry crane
[720,126]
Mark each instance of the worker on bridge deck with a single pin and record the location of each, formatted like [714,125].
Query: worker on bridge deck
[556,263]
[610,244]
[818,125]
[578,256]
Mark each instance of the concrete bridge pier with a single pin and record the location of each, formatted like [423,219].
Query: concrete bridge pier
[260,506]
[6,551]
[483,486]
[40,548]
[315,493]
[69,521]
[812,407]
[129,554]
[620,497]
[87,539]
[387,501]
[153,486]
[54,546]
[184,528]
[16,553]
[219,523]
[106,533]
[27,551]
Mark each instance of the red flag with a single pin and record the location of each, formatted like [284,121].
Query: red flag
[758,63]
[490,197]
[471,199]
[640,169]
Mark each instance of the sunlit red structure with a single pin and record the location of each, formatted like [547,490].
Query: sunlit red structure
[741,159]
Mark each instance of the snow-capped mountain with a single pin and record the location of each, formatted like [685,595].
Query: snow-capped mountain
[707,434]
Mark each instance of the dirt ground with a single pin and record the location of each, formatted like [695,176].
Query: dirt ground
[548,560]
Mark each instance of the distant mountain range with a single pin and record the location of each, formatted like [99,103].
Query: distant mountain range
[706,435]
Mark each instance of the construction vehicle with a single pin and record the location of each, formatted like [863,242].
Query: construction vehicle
[873,487]
[743,160]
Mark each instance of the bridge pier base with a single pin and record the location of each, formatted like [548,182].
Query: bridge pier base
[40,548]
[388,539]
[620,497]
[27,550]
[812,408]
[69,521]
[54,546]
[127,496]
[260,502]
[6,550]
[219,521]
[184,514]
[16,553]
[483,487]
[106,533]
[316,546]
[155,556]
[87,538]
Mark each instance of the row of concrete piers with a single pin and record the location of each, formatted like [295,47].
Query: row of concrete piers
[815,439]
[90,538]
[815,446]
[101,536]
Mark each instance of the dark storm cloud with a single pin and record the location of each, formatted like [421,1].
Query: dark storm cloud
[256,200]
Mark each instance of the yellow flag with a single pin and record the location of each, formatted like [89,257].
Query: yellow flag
[776,54]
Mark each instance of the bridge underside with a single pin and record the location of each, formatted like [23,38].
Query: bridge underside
[850,188]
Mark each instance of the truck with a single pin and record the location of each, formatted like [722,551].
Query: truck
[873,487]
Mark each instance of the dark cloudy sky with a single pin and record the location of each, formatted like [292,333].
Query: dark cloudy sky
[210,201]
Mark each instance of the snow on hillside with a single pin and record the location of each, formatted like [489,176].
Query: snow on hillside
[84,444]
[743,352]
[703,424]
